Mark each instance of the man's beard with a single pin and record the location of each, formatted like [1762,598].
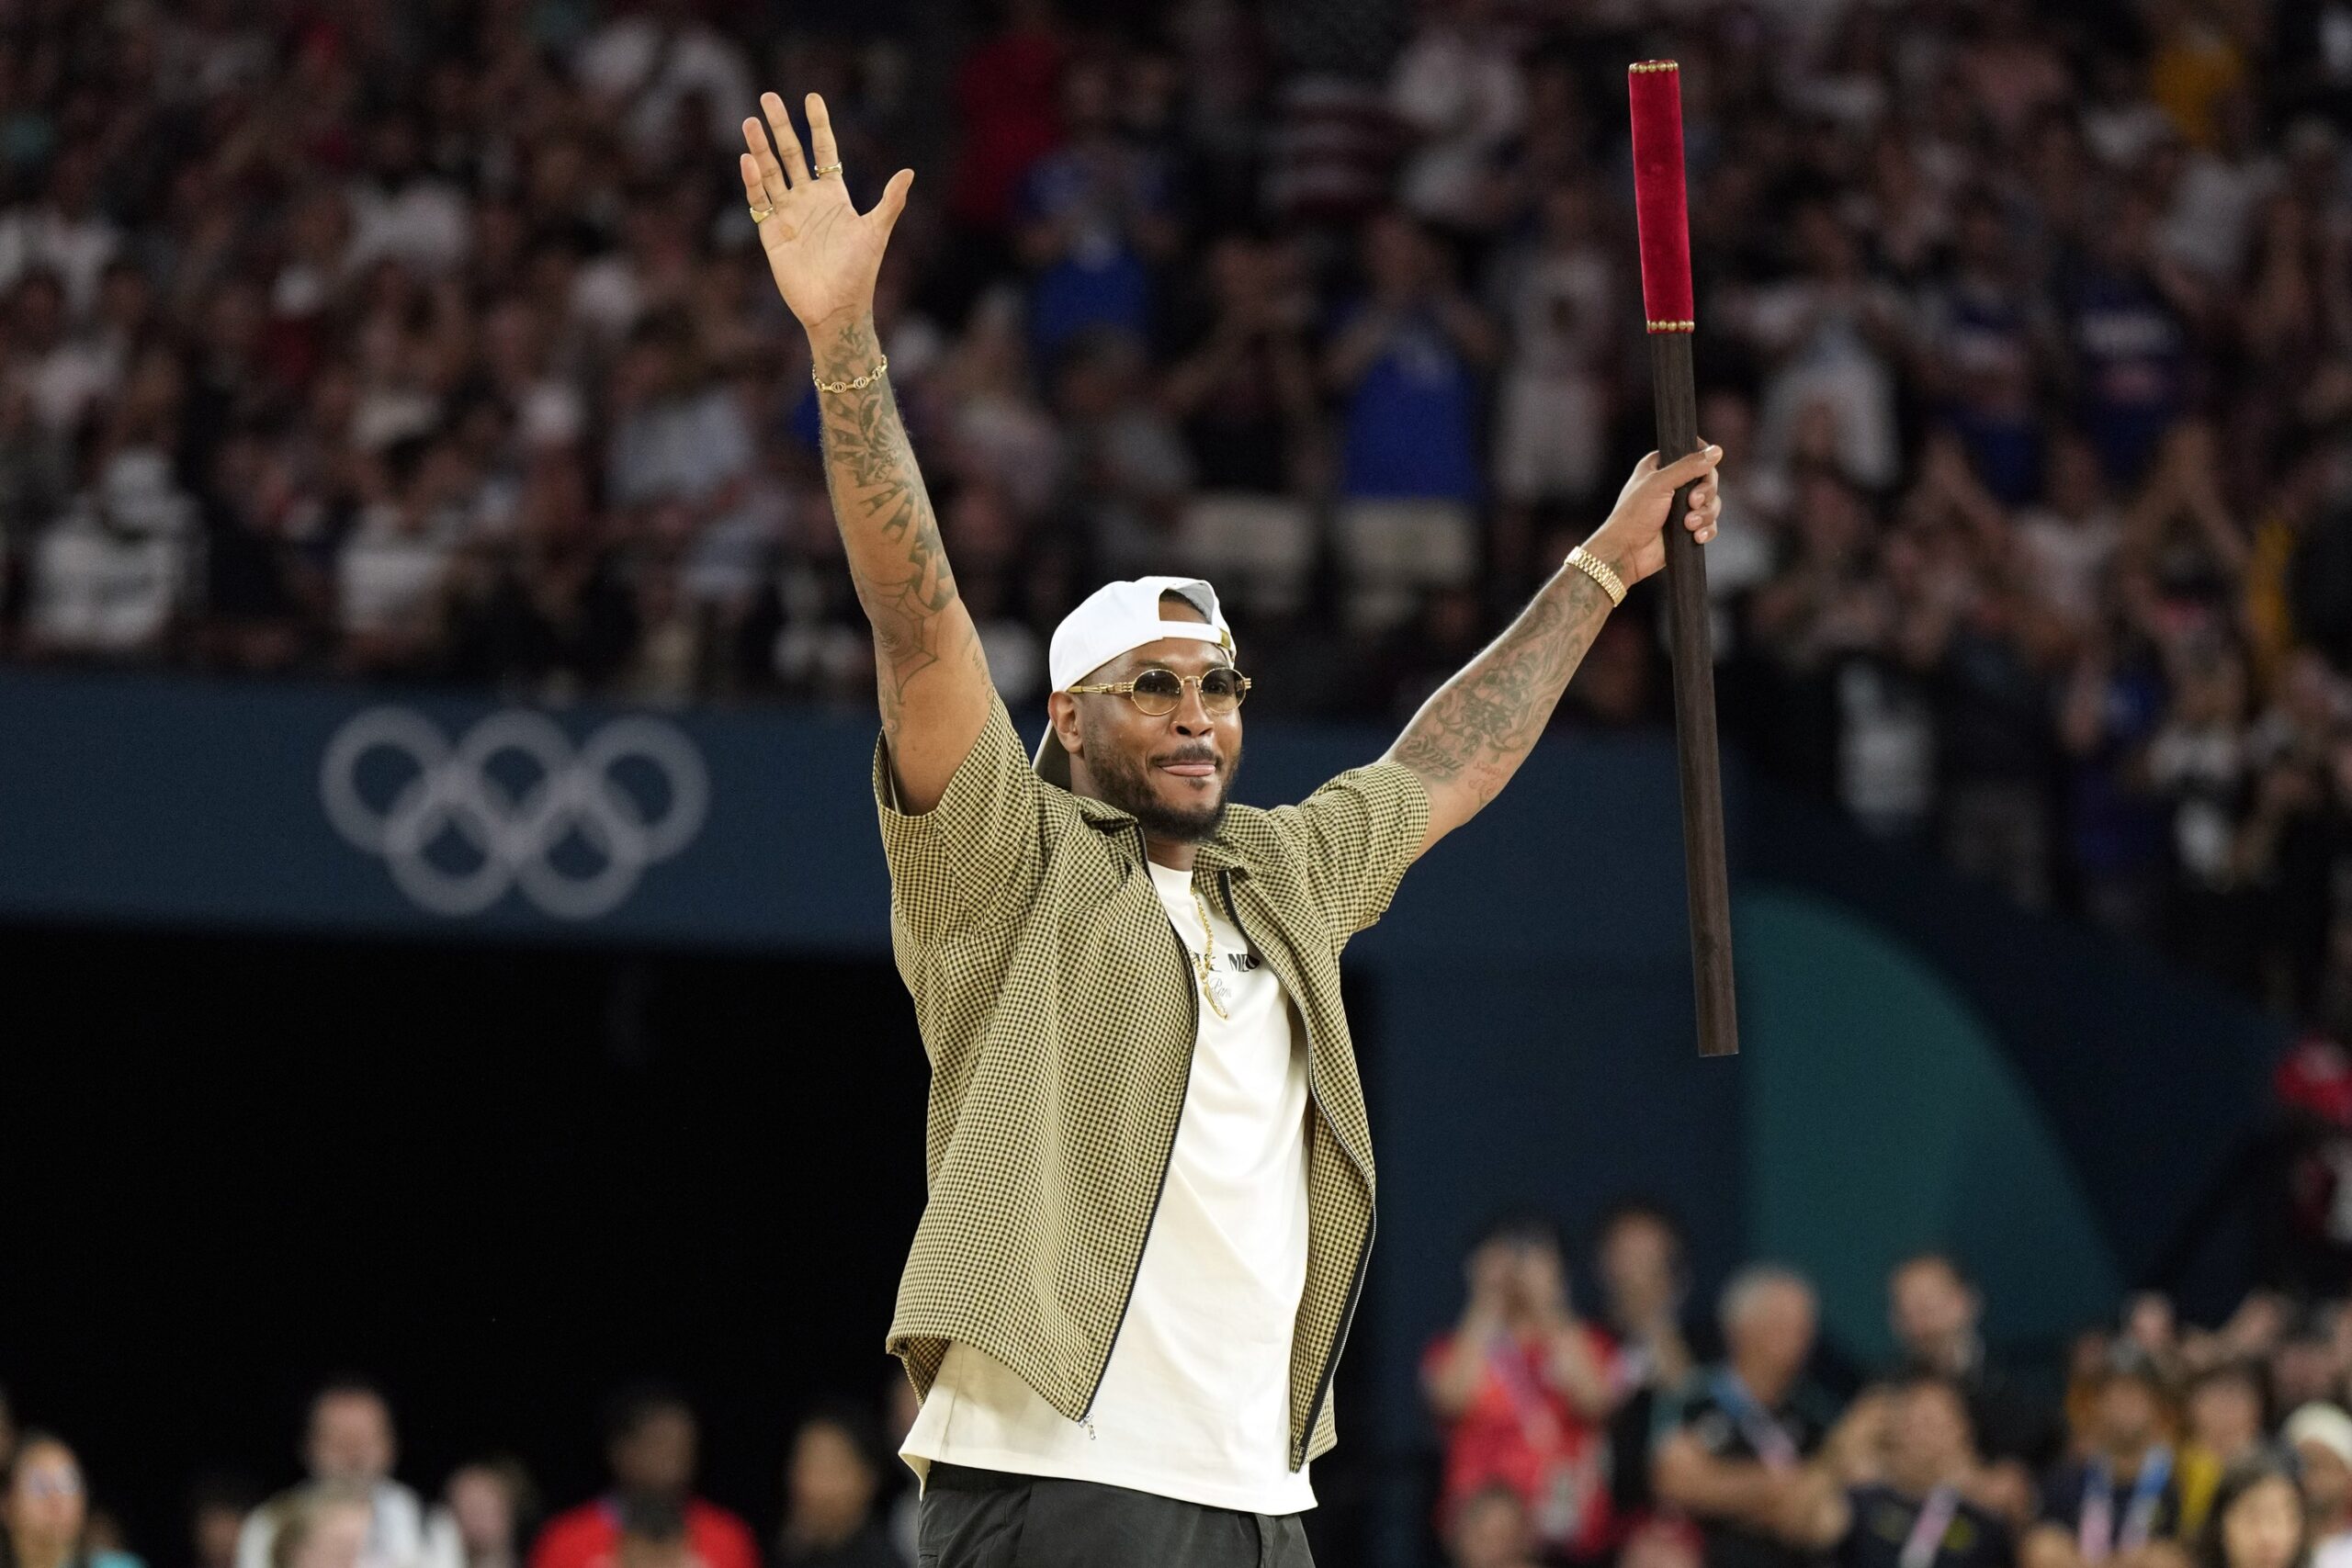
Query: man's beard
[1125,781]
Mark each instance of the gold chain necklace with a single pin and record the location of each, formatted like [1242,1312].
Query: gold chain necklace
[1206,961]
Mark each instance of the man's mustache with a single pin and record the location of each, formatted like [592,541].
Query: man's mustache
[1189,754]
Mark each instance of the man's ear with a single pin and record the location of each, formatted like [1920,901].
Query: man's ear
[1061,711]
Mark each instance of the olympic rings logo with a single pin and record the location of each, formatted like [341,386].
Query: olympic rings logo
[511,835]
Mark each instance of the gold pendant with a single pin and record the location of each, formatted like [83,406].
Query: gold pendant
[1219,997]
[1212,988]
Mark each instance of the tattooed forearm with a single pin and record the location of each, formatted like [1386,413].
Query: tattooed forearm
[1471,735]
[888,528]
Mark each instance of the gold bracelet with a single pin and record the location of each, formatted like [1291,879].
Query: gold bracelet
[1601,571]
[856,383]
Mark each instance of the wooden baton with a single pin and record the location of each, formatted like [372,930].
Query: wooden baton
[1662,213]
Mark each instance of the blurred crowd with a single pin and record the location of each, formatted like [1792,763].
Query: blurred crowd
[430,340]
[1630,1433]
[1611,1425]
[348,1511]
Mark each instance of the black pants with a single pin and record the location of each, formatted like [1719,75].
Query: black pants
[987,1518]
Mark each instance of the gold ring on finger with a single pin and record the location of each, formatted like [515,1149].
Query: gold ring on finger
[827,169]
[761,214]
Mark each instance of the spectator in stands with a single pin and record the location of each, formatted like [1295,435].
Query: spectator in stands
[401,209]
[36,478]
[1828,332]
[493,1506]
[650,1442]
[2114,702]
[2151,1325]
[1976,637]
[44,1521]
[263,593]
[1921,1512]
[1407,357]
[1241,386]
[1490,1529]
[1733,1454]
[393,573]
[674,74]
[324,1525]
[2120,1503]
[1459,87]
[2258,1520]
[547,607]
[2320,1439]
[1824,608]
[2307,1362]
[1242,392]
[2226,1426]
[1936,1313]
[2263,1322]
[1638,1253]
[2284,840]
[61,372]
[651,1531]
[67,233]
[1094,217]
[831,1476]
[112,575]
[2313,1086]
[1006,117]
[1124,468]
[1559,296]
[1663,1542]
[2198,764]
[1983,341]
[2126,313]
[348,1443]
[1523,1389]
[217,1507]
[2067,542]
[679,432]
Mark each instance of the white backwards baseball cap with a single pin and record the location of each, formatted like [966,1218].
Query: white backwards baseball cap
[1115,618]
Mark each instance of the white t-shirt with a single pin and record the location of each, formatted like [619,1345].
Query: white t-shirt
[1465,97]
[404,1533]
[426,223]
[388,577]
[1196,1403]
[101,591]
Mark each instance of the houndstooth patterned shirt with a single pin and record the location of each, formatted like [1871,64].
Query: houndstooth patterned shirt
[1056,1007]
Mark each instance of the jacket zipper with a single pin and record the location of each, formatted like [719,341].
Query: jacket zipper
[1371,1224]
[1167,1163]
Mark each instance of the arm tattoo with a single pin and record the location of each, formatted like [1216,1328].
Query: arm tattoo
[1480,725]
[887,528]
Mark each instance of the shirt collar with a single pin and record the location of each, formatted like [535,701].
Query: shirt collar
[1216,852]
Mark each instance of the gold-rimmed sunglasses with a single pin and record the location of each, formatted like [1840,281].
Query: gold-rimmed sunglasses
[1156,693]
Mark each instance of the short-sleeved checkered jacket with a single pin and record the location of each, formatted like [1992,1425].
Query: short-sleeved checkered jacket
[1056,1007]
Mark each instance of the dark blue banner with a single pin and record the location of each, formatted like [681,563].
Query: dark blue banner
[174,800]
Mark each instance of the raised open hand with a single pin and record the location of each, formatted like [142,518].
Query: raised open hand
[824,253]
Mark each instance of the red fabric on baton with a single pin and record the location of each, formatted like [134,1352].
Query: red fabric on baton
[1661,208]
